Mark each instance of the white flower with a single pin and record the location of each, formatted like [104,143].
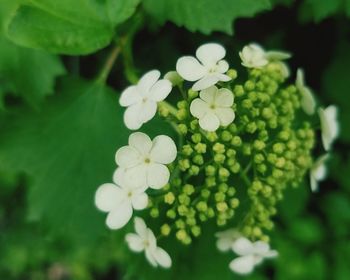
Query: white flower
[329,125]
[144,161]
[144,240]
[207,70]
[141,99]
[254,56]
[250,255]
[213,108]
[318,172]
[308,102]
[226,239]
[119,200]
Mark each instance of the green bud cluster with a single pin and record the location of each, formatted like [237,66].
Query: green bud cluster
[266,149]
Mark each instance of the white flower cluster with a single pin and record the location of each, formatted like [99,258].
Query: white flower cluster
[249,253]
[142,164]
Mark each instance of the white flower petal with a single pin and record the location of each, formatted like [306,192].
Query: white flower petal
[243,246]
[205,82]
[226,239]
[127,157]
[209,122]
[253,56]
[224,98]
[147,111]
[130,96]
[118,176]
[313,183]
[120,216]
[147,81]
[209,94]
[261,248]
[271,254]
[243,265]
[163,150]
[223,66]
[140,227]
[277,55]
[150,257]
[198,108]
[189,68]
[141,142]
[308,102]
[135,242]
[131,116]
[329,125]
[139,200]
[225,115]
[137,176]
[162,257]
[223,77]
[160,90]
[157,175]
[108,196]
[152,241]
[210,54]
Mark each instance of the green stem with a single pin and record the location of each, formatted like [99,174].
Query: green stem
[106,69]
[245,178]
[172,110]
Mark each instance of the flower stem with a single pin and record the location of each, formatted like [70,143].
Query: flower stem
[172,110]
[106,69]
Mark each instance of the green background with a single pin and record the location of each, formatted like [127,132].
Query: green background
[60,125]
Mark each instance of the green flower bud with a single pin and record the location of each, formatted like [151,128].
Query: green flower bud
[257,185]
[235,168]
[154,213]
[223,173]
[230,153]
[251,127]
[247,150]
[196,231]
[182,104]
[182,128]
[196,138]
[191,221]
[238,91]
[221,206]
[232,73]
[210,181]
[277,173]
[177,182]
[169,198]
[184,164]
[223,187]
[219,148]
[231,191]
[182,210]
[200,148]
[188,189]
[205,193]
[194,170]
[202,206]
[234,203]
[284,135]
[257,232]
[259,158]
[232,128]
[278,148]
[181,114]
[212,136]
[280,163]
[194,124]
[262,168]
[180,224]
[187,150]
[220,197]
[181,235]
[226,136]
[210,213]
[198,159]
[247,104]
[192,94]
[171,214]
[259,145]
[249,85]
[236,141]
[219,158]
[165,230]
[174,78]
[184,199]
[292,145]
[267,113]
[210,170]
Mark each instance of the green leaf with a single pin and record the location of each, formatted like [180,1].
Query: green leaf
[336,85]
[69,27]
[317,10]
[204,15]
[68,150]
[27,73]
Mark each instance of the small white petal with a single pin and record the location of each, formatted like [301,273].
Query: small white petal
[223,77]
[127,157]
[160,90]
[243,265]
[131,116]
[139,200]
[224,98]
[157,175]
[190,69]
[225,115]
[141,142]
[120,216]
[140,227]
[308,102]
[205,82]
[108,196]
[118,176]
[150,257]
[147,111]
[313,183]
[136,176]
[210,54]
[129,96]
[261,248]
[223,67]
[329,125]
[198,108]
[163,150]
[209,122]
[226,239]
[135,242]
[271,254]
[152,241]
[253,56]
[209,94]
[243,246]
[147,81]
[162,257]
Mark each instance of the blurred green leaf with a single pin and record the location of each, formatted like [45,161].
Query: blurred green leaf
[27,73]
[69,27]
[317,10]
[68,149]
[205,16]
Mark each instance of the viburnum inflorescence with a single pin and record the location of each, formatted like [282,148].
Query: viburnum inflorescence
[242,140]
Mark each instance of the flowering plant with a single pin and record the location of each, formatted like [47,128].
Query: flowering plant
[242,140]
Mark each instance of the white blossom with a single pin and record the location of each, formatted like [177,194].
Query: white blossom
[254,56]
[141,99]
[308,102]
[144,240]
[144,161]
[329,125]
[226,239]
[318,172]
[250,254]
[119,200]
[213,108]
[207,69]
